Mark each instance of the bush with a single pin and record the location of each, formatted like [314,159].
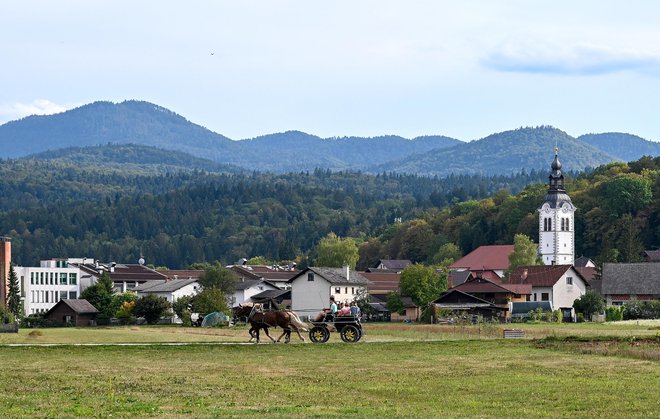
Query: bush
[152,308]
[641,310]
[613,314]
[6,317]
[580,317]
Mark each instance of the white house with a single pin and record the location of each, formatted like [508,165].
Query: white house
[246,288]
[312,288]
[44,286]
[560,285]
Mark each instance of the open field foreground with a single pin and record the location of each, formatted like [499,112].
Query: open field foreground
[375,378]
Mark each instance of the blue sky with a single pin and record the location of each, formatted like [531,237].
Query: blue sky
[464,69]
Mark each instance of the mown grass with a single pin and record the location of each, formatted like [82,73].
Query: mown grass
[453,378]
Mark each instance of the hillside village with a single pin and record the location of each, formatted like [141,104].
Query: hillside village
[476,283]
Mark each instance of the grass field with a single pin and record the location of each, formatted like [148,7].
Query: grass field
[396,371]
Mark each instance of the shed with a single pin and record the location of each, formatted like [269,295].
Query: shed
[72,313]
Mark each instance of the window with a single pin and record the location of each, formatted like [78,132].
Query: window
[73,280]
[41,278]
[534,296]
[569,280]
[545,296]
[549,224]
[516,295]
[353,290]
[32,278]
[63,278]
[63,295]
[73,295]
[567,224]
[346,290]
[310,276]
[337,290]
[52,278]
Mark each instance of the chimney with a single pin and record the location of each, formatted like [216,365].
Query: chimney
[525,272]
[112,266]
[348,272]
[96,263]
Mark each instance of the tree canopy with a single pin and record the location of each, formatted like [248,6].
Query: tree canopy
[333,251]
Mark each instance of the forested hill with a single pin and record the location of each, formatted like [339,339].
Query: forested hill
[146,124]
[504,153]
[55,208]
[133,157]
[104,122]
[627,147]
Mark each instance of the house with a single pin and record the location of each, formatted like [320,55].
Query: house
[171,290]
[72,313]
[497,293]
[382,282]
[652,256]
[396,265]
[584,262]
[492,258]
[560,285]
[125,277]
[245,289]
[460,302]
[312,288]
[624,282]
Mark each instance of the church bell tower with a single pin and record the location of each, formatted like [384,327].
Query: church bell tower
[557,221]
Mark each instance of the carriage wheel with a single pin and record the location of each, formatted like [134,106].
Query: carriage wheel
[319,334]
[350,334]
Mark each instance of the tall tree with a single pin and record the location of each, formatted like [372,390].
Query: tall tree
[14,295]
[333,251]
[218,277]
[525,253]
[100,296]
[422,283]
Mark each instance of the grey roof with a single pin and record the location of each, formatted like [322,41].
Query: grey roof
[270,294]
[247,283]
[79,306]
[148,284]
[652,255]
[336,276]
[459,277]
[631,278]
[169,286]
[582,262]
[394,264]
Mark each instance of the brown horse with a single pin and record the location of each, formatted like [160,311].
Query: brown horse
[260,319]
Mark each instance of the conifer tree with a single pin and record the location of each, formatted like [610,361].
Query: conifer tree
[14,295]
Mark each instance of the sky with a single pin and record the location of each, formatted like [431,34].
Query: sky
[464,69]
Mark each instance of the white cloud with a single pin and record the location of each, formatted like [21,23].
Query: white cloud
[36,107]
[581,59]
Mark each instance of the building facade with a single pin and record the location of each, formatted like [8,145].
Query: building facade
[557,221]
[44,286]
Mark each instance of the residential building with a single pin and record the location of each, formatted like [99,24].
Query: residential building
[312,288]
[274,274]
[625,282]
[557,221]
[245,289]
[560,285]
[502,295]
[125,277]
[393,264]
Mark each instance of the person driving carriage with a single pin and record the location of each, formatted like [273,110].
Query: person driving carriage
[328,314]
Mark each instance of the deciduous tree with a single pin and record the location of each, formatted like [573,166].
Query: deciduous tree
[333,251]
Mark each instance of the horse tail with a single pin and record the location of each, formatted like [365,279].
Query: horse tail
[295,320]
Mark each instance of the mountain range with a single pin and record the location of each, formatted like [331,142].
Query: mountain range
[160,136]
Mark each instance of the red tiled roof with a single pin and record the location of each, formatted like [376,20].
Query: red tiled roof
[124,272]
[587,272]
[489,275]
[539,276]
[485,257]
[183,274]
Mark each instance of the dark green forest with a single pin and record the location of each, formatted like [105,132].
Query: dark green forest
[175,218]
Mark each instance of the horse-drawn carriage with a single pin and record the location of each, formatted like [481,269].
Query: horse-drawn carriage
[348,327]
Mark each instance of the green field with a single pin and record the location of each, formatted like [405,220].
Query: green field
[397,370]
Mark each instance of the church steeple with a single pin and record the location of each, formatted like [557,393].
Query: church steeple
[556,220]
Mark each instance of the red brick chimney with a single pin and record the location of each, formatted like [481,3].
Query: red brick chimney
[5,263]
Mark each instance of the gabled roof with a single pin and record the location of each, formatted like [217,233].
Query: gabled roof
[454,298]
[483,286]
[541,276]
[588,273]
[631,278]
[458,277]
[652,255]
[583,262]
[274,294]
[249,283]
[485,257]
[269,273]
[122,272]
[184,273]
[380,282]
[169,286]
[148,284]
[80,306]
[335,276]
[394,264]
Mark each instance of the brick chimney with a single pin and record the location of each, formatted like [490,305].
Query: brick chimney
[5,263]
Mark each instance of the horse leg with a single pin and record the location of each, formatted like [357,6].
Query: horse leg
[268,334]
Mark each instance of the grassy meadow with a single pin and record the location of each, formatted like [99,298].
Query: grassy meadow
[395,371]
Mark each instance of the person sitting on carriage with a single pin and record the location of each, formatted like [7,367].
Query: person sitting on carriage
[328,314]
[344,310]
[355,310]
